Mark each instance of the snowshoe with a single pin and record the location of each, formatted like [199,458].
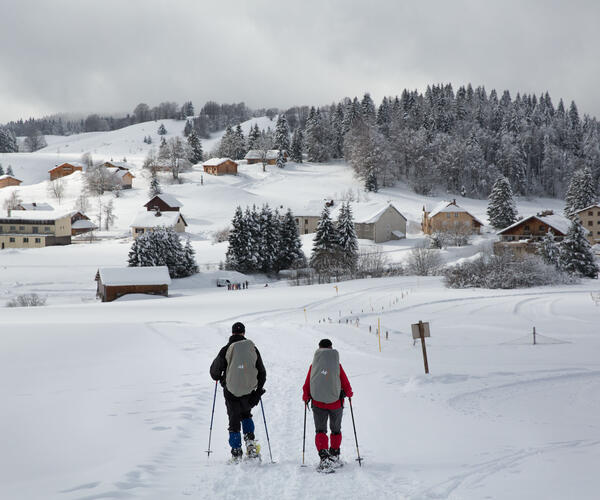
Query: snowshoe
[326,464]
[252,447]
[334,457]
[236,456]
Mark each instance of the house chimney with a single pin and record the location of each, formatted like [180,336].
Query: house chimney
[544,213]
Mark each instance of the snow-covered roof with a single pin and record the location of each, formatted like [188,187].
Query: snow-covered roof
[6,176]
[555,221]
[115,276]
[83,224]
[169,199]
[362,213]
[213,162]
[119,164]
[257,154]
[71,163]
[38,215]
[117,172]
[586,208]
[151,219]
[35,206]
[449,206]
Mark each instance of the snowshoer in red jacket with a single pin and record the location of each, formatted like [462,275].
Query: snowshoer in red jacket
[326,385]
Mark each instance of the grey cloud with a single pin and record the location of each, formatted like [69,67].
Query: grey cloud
[85,56]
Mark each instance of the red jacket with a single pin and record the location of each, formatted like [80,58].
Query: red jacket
[327,406]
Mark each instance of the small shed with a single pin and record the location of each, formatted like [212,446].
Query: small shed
[449,216]
[9,180]
[124,177]
[64,169]
[114,282]
[164,202]
[81,223]
[220,166]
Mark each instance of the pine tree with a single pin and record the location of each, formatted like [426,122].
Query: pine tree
[347,239]
[8,141]
[296,148]
[1,169]
[501,208]
[325,254]
[576,255]
[253,137]
[187,130]
[581,192]
[315,138]
[190,265]
[154,185]
[290,246]
[281,158]
[161,130]
[240,143]
[195,148]
[371,184]
[235,256]
[9,170]
[282,134]
[549,250]
[269,239]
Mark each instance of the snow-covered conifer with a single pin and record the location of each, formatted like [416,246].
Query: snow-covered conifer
[154,185]
[548,250]
[1,169]
[8,141]
[253,137]
[281,158]
[501,207]
[371,182]
[195,148]
[290,246]
[9,170]
[347,239]
[576,255]
[581,193]
[161,129]
[296,147]
[326,251]
[270,231]
[282,134]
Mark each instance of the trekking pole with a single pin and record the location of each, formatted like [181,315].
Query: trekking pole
[359,460]
[211,419]
[266,430]
[304,436]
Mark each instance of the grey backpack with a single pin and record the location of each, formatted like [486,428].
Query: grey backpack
[325,383]
[242,376]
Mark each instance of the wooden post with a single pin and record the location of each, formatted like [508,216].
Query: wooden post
[387,335]
[534,335]
[305,317]
[369,328]
[379,332]
[422,334]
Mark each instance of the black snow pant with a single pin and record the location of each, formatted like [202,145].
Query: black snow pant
[335,419]
[238,409]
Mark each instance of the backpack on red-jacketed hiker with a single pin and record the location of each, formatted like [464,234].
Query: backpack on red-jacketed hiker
[325,383]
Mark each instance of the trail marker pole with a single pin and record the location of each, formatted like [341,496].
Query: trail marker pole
[421,330]
[379,332]
[534,335]
[336,290]
[305,317]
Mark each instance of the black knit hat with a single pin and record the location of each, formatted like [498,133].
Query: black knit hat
[238,328]
[325,343]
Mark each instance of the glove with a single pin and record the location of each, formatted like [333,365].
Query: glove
[306,401]
[255,396]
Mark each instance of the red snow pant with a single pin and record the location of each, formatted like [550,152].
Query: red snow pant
[321,416]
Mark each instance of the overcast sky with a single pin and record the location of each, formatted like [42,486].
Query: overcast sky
[107,56]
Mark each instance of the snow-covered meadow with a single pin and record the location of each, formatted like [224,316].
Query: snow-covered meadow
[113,400]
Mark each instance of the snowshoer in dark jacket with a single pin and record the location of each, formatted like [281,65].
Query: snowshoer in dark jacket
[240,369]
[327,385]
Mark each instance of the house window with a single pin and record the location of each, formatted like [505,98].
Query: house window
[455,214]
[305,221]
[590,223]
[13,228]
[46,229]
[447,215]
[541,228]
[21,228]
[25,240]
[590,212]
[139,230]
[306,231]
[38,240]
[526,228]
[35,229]
[297,222]
[1,229]
[12,240]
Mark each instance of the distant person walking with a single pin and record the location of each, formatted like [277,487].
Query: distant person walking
[240,369]
[327,385]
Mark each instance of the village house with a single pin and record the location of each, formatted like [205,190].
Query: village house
[35,229]
[590,219]
[114,282]
[34,206]
[449,216]
[220,166]
[124,177]
[65,169]
[522,236]
[164,202]
[256,156]
[8,180]
[120,165]
[379,222]
[149,221]
[81,223]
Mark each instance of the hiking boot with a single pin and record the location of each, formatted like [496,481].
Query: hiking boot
[236,455]
[326,464]
[252,447]
[334,456]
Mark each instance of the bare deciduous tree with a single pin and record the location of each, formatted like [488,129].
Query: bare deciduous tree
[56,189]
[13,201]
[424,261]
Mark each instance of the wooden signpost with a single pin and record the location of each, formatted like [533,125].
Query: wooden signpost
[420,330]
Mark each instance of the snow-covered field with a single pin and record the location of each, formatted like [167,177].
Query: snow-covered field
[114,400]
